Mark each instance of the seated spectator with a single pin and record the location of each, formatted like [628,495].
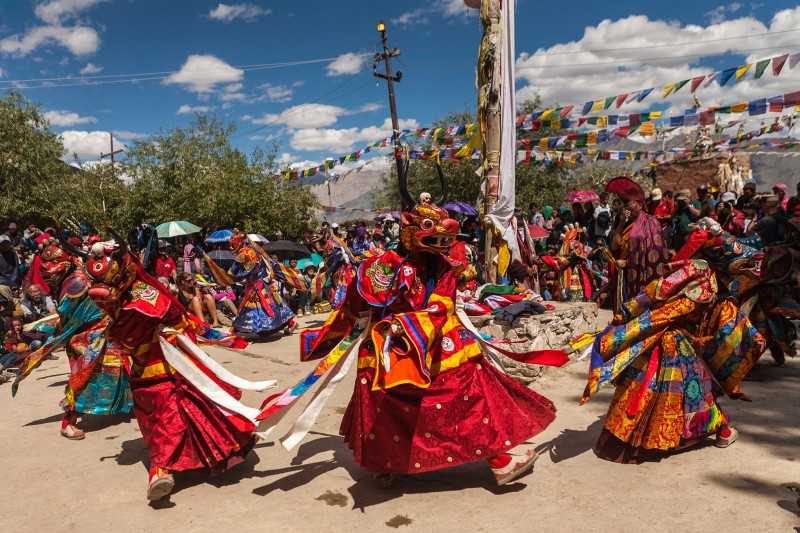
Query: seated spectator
[195,300]
[35,304]
[9,269]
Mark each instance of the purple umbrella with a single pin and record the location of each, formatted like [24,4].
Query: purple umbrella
[461,207]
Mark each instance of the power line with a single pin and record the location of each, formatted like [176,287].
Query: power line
[646,59]
[670,45]
[146,76]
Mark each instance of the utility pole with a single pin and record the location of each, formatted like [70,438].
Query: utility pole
[390,78]
[111,154]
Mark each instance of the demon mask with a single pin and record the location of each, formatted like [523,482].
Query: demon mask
[112,273]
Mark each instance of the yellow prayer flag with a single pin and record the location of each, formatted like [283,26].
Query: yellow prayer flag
[463,152]
[543,142]
[648,128]
[655,114]
[797,108]
[597,106]
[555,123]
[741,71]
[591,137]
[602,121]
[741,107]
[668,88]
[546,113]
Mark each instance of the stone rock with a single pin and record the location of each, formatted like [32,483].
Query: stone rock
[552,330]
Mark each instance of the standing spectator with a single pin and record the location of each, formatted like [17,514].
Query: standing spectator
[535,216]
[654,201]
[165,264]
[782,191]
[793,205]
[603,219]
[682,219]
[191,258]
[748,195]
[770,227]
[9,269]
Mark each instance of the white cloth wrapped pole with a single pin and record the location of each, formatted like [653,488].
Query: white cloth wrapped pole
[503,210]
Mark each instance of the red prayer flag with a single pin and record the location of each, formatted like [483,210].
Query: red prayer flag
[566,111]
[621,100]
[791,99]
[696,83]
[777,64]
[707,117]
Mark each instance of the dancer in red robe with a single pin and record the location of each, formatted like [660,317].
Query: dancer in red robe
[186,404]
[428,392]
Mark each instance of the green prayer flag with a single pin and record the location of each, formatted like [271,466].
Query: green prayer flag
[609,101]
[761,66]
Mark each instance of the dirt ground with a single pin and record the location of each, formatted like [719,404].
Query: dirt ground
[52,484]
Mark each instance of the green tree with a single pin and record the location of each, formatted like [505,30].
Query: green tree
[30,165]
[195,173]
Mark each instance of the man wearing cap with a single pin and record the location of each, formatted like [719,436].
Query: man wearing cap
[730,218]
[682,218]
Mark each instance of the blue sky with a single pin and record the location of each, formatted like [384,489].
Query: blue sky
[328,108]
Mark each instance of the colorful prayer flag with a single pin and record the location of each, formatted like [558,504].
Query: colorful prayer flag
[621,99]
[679,86]
[696,83]
[668,88]
[644,94]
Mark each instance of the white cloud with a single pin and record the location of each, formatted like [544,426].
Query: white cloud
[455,8]
[342,140]
[348,63]
[601,69]
[369,108]
[88,145]
[230,12]
[186,109]
[436,9]
[57,11]
[79,40]
[290,160]
[129,135]
[201,73]
[277,93]
[304,116]
[91,68]
[416,16]
[67,118]
[720,13]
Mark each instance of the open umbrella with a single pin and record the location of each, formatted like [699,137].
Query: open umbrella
[219,236]
[224,258]
[176,228]
[314,259]
[582,197]
[257,237]
[287,249]
[461,207]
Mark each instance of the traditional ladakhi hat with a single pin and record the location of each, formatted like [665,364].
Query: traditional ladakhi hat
[627,189]
[728,196]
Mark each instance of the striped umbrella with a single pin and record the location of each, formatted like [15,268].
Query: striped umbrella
[176,228]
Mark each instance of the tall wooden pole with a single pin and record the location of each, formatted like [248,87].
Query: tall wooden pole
[490,121]
[390,78]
